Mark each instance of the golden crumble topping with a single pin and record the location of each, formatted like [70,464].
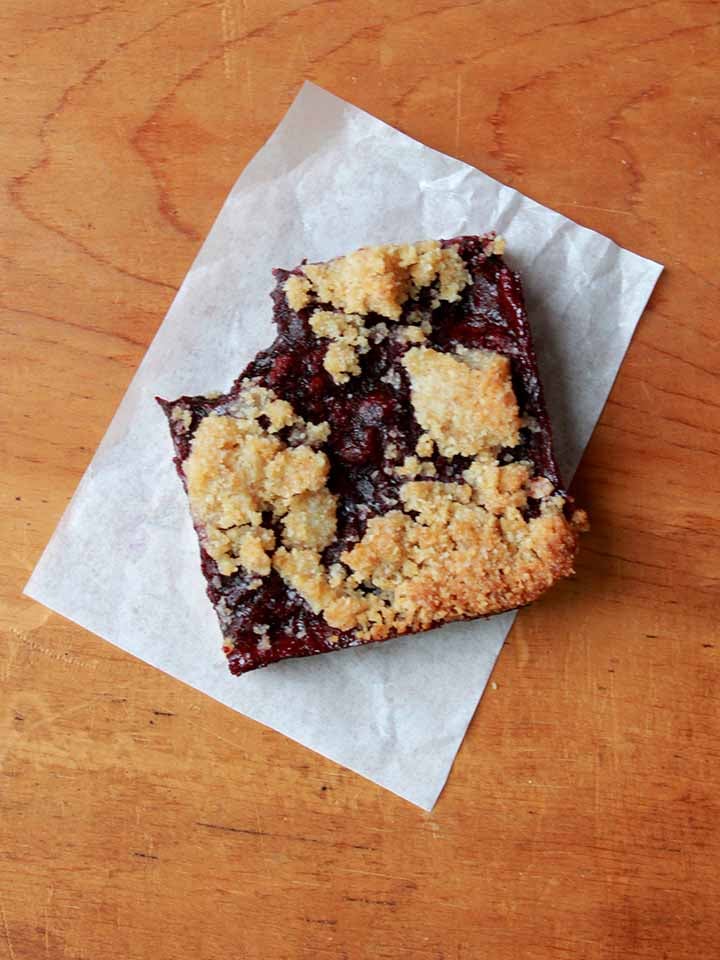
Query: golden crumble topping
[425,446]
[297,292]
[294,470]
[339,326]
[410,334]
[374,279]
[380,279]
[443,557]
[251,549]
[465,403]
[310,520]
[496,487]
[312,434]
[302,570]
[417,329]
[237,470]
[256,401]
[431,501]
[349,338]
[341,361]
[456,560]
[413,467]
[181,415]
[496,246]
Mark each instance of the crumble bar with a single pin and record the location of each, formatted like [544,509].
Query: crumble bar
[386,465]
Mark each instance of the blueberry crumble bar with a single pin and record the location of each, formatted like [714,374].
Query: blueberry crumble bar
[386,465]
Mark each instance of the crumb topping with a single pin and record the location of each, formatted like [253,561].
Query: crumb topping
[255,402]
[341,361]
[378,332]
[251,548]
[297,292]
[325,593]
[495,246]
[310,520]
[413,467]
[237,470]
[464,402]
[455,559]
[540,487]
[410,334]
[497,487]
[391,450]
[380,279]
[349,327]
[315,434]
[294,470]
[418,328]
[425,445]
[431,501]
[181,415]
[311,434]
[455,550]
[348,337]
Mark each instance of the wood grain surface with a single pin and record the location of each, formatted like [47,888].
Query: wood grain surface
[138,819]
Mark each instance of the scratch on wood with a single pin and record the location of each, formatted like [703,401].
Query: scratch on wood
[64,713]
[228,23]
[300,46]
[591,206]
[8,939]
[279,836]
[411,884]
[225,35]
[62,656]
[248,79]
[374,903]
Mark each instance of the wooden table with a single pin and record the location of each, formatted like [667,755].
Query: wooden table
[138,819]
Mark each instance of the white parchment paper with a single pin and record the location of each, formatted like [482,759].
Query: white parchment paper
[330,179]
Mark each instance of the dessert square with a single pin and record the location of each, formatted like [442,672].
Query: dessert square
[386,465]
